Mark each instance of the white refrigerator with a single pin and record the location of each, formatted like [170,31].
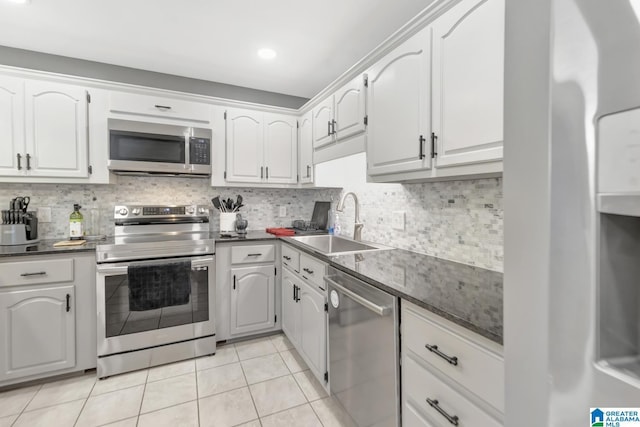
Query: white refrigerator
[572,210]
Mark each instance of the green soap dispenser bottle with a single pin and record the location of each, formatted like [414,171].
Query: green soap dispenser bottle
[76,224]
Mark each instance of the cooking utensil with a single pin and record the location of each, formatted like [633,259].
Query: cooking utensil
[216,203]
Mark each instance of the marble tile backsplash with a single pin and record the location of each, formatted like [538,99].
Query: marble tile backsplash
[456,220]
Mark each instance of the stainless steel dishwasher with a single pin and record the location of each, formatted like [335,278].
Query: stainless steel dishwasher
[363,350]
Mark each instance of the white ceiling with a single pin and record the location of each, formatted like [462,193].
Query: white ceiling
[212,39]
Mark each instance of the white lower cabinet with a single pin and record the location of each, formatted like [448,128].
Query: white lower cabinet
[39,329]
[47,316]
[290,308]
[449,374]
[247,298]
[252,299]
[304,316]
[313,328]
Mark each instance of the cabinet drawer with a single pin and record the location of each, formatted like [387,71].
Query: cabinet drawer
[252,254]
[35,272]
[420,384]
[312,270]
[159,107]
[477,368]
[291,258]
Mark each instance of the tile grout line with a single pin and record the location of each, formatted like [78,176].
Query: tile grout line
[25,406]
[144,390]
[86,400]
[197,393]
[249,390]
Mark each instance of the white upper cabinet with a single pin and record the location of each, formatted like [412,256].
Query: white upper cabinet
[261,147]
[11,126]
[468,81]
[244,146]
[158,106]
[43,129]
[305,139]
[56,129]
[398,109]
[323,123]
[349,109]
[341,115]
[280,149]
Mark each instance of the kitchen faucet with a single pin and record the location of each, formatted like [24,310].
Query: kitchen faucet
[357,227]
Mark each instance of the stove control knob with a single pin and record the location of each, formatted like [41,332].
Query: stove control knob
[136,211]
[203,210]
[191,210]
[123,211]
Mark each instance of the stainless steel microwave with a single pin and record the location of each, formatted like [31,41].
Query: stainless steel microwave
[140,148]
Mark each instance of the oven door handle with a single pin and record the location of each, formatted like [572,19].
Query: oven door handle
[114,270]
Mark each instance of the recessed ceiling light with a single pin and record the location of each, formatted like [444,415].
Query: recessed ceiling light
[267,53]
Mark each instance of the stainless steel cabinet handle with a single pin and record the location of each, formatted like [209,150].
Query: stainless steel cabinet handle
[39,273]
[261,172]
[307,270]
[68,303]
[254,254]
[163,107]
[294,292]
[234,281]
[379,310]
[267,175]
[28,161]
[333,127]
[434,404]
[421,141]
[19,163]
[308,171]
[434,349]
[288,258]
[328,128]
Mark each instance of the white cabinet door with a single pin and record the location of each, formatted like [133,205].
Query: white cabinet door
[313,332]
[350,109]
[244,146]
[468,81]
[290,309]
[323,123]
[11,126]
[280,149]
[37,331]
[56,130]
[305,144]
[398,138]
[252,299]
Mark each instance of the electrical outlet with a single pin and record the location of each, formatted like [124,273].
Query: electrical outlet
[397,220]
[283,211]
[398,274]
[44,214]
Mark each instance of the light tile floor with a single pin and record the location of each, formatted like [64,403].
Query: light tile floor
[262,382]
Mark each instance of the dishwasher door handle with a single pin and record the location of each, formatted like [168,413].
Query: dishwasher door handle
[379,310]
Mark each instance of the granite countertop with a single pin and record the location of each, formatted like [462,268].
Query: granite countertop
[466,295]
[45,247]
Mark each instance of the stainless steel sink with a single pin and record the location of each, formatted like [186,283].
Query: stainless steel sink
[334,245]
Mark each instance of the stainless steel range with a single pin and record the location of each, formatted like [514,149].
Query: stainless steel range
[155,288]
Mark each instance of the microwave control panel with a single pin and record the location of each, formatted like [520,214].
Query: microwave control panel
[199,151]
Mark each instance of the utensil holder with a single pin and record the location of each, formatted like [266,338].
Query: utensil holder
[227,221]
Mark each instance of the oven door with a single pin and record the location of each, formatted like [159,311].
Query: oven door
[125,326]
